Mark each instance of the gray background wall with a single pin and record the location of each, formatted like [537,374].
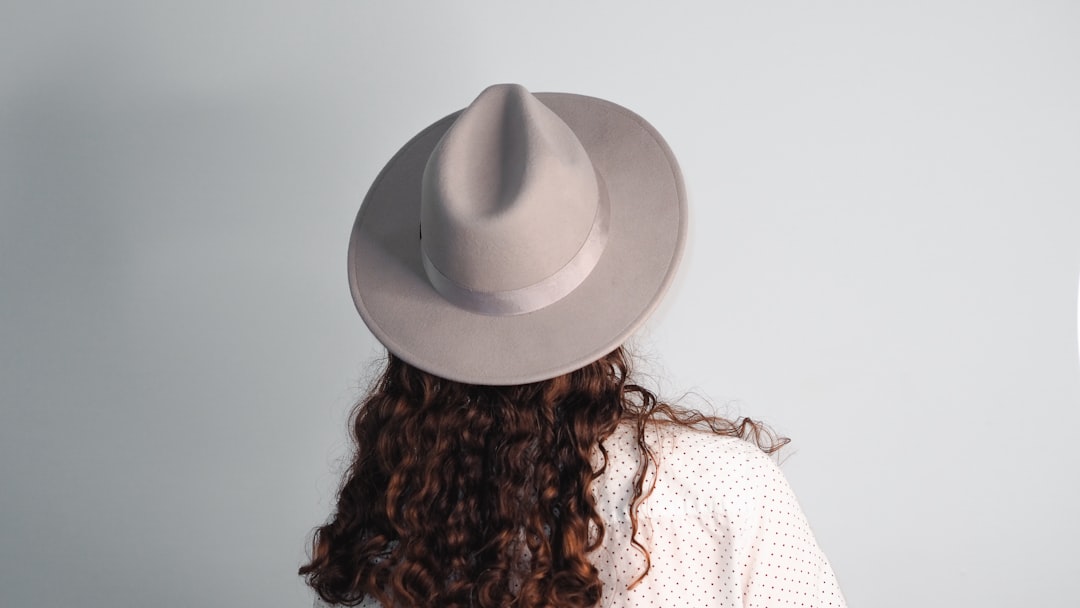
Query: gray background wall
[884,261]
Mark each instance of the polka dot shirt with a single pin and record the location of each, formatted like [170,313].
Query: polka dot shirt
[722,527]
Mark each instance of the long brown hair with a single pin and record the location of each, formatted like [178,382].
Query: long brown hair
[465,495]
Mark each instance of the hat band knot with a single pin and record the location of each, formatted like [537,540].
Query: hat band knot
[540,294]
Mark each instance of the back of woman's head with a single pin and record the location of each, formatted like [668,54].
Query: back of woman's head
[502,246]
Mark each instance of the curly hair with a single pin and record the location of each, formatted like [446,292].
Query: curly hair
[465,495]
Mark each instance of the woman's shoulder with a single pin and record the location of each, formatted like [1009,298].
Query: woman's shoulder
[703,446]
[717,464]
[688,443]
[696,461]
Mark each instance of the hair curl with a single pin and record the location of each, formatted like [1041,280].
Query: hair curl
[465,495]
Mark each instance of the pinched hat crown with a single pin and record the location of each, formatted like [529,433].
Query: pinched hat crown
[512,214]
[520,238]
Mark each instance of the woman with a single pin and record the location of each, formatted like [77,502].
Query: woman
[504,456]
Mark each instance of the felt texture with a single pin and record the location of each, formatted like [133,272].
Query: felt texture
[509,194]
[645,241]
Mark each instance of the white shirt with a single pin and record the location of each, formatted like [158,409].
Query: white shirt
[722,527]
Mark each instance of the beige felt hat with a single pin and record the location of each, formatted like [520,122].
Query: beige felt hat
[520,238]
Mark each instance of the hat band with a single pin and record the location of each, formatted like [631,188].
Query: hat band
[538,295]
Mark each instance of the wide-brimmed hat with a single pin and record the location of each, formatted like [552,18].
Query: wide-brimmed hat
[520,238]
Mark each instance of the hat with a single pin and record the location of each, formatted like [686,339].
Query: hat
[518,239]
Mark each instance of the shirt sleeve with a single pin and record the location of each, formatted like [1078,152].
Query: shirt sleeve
[781,562]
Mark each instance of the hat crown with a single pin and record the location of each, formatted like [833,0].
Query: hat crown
[509,194]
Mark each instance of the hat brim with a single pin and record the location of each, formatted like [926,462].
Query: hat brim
[647,235]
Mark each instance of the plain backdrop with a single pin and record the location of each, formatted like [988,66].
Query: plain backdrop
[883,265]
